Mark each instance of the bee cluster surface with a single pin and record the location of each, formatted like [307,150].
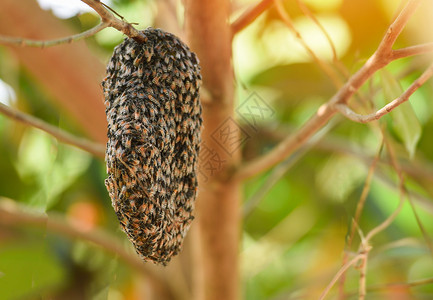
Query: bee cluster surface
[154,119]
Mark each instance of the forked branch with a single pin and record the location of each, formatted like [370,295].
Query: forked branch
[350,114]
[108,19]
[380,58]
[111,20]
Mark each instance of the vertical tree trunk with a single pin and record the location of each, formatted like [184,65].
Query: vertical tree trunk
[218,218]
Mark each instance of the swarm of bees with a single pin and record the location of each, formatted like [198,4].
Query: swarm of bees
[154,119]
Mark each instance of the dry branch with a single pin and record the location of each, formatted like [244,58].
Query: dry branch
[322,64]
[49,43]
[359,209]
[339,273]
[350,114]
[413,50]
[11,215]
[308,13]
[61,135]
[110,19]
[250,15]
[380,58]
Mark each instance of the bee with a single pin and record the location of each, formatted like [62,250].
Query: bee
[155,80]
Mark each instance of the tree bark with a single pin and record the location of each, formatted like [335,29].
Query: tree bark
[218,216]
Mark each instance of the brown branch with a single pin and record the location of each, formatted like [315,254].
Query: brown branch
[49,43]
[280,170]
[350,114]
[11,215]
[323,65]
[84,144]
[250,15]
[365,247]
[380,58]
[308,13]
[363,276]
[413,50]
[110,19]
[382,226]
[340,272]
[385,47]
[335,59]
[359,209]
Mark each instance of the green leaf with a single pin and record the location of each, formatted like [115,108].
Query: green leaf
[404,121]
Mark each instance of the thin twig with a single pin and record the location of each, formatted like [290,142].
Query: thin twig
[49,43]
[280,170]
[110,19]
[378,60]
[413,50]
[382,226]
[335,59]
[341,271]
[323,65]
[308,13]
[365,247]
[84,144]
[359,209]
[424,233]
[350,114]
[363,277]
[250,15]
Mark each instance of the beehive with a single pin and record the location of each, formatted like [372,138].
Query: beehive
[154,119]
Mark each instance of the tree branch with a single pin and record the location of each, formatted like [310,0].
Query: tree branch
[84,144]
[385,46]
[340,272]
[413,50]
[359,209]
[350,114]
[11,215]
[336,61]
[308,13]
[323,65]
[110,19]
[403,194]
[250,15]
[49,43]
[380,58]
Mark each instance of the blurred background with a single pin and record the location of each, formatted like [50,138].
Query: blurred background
[297,217]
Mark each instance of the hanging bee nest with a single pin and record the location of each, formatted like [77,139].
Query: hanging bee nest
[154,119]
